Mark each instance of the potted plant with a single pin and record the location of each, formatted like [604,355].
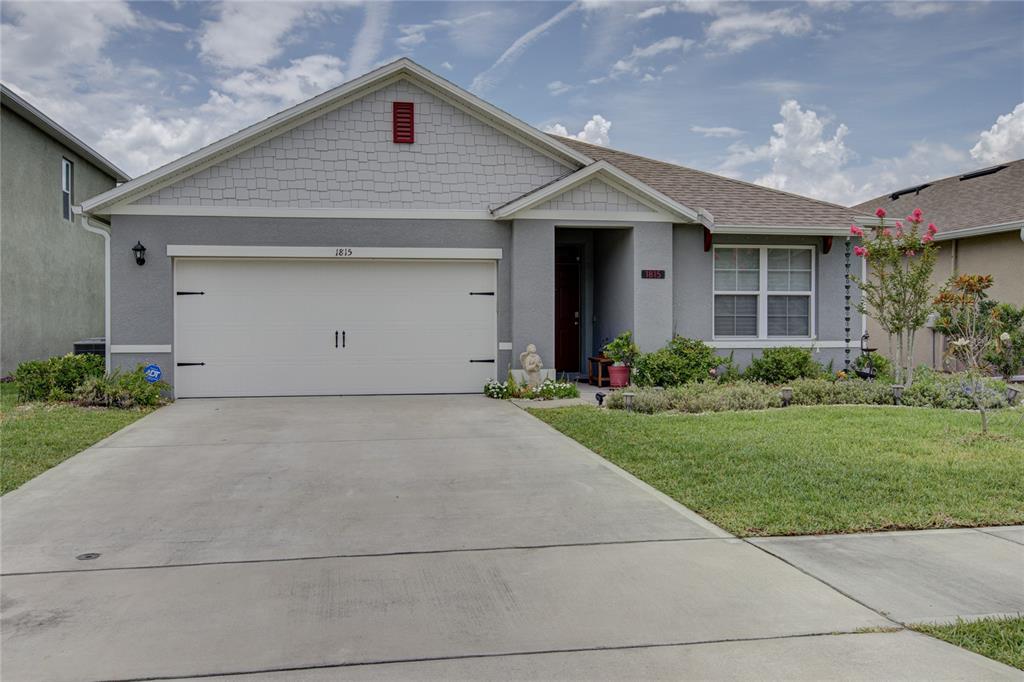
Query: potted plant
[624,352]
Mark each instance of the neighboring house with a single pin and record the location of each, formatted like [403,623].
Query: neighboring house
[980,216]
[52,270]
[398,234]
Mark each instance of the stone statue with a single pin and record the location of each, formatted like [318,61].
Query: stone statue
[532,365]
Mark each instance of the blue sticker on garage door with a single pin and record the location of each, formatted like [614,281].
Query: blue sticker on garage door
[153,373]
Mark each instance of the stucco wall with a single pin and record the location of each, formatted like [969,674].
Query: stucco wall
[594,195]
[52,270]
[346,158]
[533,289]
[142,298]
[693,301]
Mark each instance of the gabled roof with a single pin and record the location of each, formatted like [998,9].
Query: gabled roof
[733,204]
[984,201]
[608,173]
[403,68]
[20,106]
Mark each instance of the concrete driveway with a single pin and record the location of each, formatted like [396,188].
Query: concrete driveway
[402,537]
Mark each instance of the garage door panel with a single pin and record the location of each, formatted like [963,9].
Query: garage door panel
[266,327]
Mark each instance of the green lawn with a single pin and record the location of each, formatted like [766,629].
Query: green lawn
[809,470]
[998,638]
[37,436]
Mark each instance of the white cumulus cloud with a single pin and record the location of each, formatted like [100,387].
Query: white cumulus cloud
[716,131]
[247,34]
[595,131]
[1004,141]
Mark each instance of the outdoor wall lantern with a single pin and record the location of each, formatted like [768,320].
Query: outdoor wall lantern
[897,393]
[628,399]
[140,253]
[787,395]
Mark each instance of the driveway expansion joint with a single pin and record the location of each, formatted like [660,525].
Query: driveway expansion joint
[503,654]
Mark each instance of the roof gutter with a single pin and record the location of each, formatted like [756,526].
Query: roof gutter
[90,224]
[980,230]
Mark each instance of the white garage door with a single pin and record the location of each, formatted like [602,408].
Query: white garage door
[266,327]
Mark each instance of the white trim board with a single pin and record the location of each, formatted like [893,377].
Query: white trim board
[140,349]
[330,252]
[294,212]
[775,343]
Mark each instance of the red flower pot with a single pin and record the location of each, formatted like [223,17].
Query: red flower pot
[618,376]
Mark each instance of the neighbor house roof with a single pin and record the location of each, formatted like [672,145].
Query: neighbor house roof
[20,106]
[732,203]
[980,202]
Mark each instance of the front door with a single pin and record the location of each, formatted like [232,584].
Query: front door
[568,272]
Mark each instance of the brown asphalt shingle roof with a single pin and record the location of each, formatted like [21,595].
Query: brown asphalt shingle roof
[731,202]
[953,204]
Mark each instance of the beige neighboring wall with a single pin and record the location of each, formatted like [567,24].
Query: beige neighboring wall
[1000,255]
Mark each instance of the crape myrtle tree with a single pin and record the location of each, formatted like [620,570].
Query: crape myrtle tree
[897,290]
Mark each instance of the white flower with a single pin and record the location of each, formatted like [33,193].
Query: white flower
[1005,337]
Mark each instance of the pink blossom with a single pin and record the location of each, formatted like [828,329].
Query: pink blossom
[880,212]
[917,215]
[899,224]
[860,250]
[887,232]
[932,229]
[856,230]
[911,253]
[927,238]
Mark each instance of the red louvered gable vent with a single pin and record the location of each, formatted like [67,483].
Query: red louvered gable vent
[402,118]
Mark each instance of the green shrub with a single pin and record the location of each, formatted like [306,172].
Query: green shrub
[56,378]
[622,349]
[681,361]
[951,391]
[125,390]
[783,364]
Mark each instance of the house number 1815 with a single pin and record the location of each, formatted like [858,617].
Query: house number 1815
[343,252]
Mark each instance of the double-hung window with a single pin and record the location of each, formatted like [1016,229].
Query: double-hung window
[763,292]
[67,181]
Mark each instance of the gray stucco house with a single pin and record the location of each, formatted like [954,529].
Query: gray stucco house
[398,234]
[52,278]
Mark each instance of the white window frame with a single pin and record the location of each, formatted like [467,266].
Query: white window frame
[67,187]
[762,293]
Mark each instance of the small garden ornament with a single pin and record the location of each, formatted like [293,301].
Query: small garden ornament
[532,365]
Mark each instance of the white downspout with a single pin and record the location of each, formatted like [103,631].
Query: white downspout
[88,227]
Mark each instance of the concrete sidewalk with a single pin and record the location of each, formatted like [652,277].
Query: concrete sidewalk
[402,538]
[924,576]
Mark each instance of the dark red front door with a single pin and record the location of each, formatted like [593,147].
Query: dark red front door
[567,308]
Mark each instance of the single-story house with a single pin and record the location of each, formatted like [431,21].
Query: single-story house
[51,272]
[980,216]
[398,234]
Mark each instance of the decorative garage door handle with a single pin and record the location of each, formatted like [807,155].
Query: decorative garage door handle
[491,360]
[190,364]
[190,293]
[481,293]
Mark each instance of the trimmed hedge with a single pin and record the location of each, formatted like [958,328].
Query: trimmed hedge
[930,389]
[681,361]
[56,378]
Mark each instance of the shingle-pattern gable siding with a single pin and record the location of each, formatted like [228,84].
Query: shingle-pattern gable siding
[594,195]
[346,158]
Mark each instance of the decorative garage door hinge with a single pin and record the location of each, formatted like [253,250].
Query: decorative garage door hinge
[481,293]
[189,364]
[190,293]
[491,360]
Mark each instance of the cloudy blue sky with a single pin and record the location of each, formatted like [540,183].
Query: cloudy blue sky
[837,100]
